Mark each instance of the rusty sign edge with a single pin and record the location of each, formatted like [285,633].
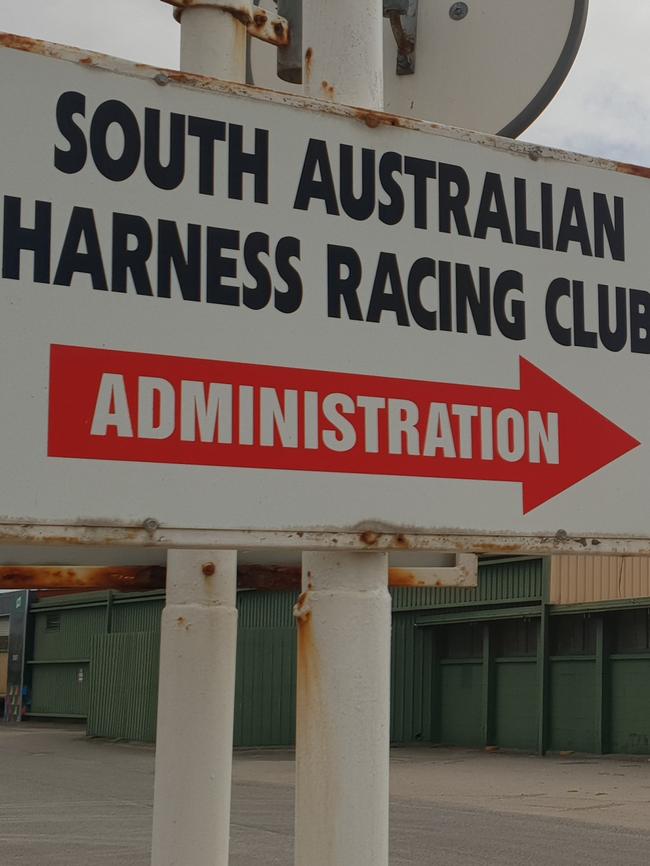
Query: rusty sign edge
[373,119]
[150,534]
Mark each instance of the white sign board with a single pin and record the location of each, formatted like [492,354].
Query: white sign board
[226,309]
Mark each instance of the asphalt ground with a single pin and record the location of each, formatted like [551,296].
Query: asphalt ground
[65,799]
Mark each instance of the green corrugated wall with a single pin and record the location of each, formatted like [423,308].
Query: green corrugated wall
[77,627]
[136,617]
[411,680]
[465,667]
[265,692]
[61,689]
[124,687]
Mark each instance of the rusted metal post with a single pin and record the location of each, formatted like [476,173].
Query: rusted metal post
[343,697]
[343,49]
[196,699]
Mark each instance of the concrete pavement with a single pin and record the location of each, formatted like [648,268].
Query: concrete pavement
[68,800]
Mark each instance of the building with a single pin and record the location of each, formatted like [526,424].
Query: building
[13,625]
[546,654]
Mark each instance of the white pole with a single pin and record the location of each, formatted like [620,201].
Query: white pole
[344,613]
[196,698]
[213,42]
[343,696]
[343,51]
[196,695]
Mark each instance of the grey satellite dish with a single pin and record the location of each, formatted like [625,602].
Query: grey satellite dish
[487,65]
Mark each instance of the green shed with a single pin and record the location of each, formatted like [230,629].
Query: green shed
[493,666]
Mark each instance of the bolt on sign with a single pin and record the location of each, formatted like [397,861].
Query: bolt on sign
[230,309]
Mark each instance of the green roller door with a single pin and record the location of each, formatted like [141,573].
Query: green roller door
[573,708]
[460,684]
[630,705]
[516,703]
[574,689]
[515,715]
[460,703]
[629,682]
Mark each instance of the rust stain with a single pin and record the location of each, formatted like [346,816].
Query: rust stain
[403,577]
[187,77]
[308,692]
[368,537]
[302,611]
[280,30]
[87,61]
[309,64]
[208,569]
[489,547]
[401,540]
[138,578]
[635,170]
[22,43]
[260,17]
[374,119]
[328,90]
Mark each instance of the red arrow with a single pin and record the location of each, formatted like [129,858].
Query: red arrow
[588,440]
[539,435]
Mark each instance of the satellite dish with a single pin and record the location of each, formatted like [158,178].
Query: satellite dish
[487,65]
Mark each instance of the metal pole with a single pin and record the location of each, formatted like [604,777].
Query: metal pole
[343,697]
[344,612]
[213,42]
[343,49]
[196,698]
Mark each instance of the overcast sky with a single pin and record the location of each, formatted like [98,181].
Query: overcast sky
[603,108]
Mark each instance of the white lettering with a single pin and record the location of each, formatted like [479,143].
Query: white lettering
[511,435]
[544,437]
[156,408]
[344,436]
[465,415]
[371,407]
[403,415]
[197,411]
[439,433]
[274,416]
[246,415]
[112,407]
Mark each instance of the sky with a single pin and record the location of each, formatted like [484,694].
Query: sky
[603,108]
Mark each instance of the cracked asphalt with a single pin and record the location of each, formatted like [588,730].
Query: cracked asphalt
[65,799]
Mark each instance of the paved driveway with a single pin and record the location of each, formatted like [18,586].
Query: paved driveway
[68,800]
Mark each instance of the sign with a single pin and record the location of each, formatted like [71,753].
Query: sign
[229,309]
